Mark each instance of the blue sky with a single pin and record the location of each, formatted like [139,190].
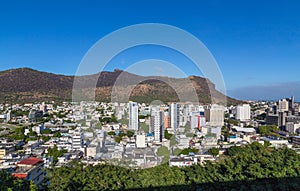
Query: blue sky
[256,44]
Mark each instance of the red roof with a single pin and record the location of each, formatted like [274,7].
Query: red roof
[31,161]
[19,175]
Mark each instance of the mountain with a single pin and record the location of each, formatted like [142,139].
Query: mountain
[28,85]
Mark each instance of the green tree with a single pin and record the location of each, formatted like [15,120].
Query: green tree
[250,167]
[118,139]
[57,134]
[213,151]
[45,138]
[46,131]
[55,153]
[168,135]
[186,151]
[267,129]
[144,127]
[177,151]
[165,153]
[111,133]
[173,141]
[130,133]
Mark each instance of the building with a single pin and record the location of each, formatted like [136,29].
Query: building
[77,140]
[296,140]
[214,114]
[282,120]
[167,120]
[277,143]
[283,105]
[6,149]
[31,169]
[197,120]
[174,115]
[133,116]
[183,161]
[272,119]
[292,127]
[183,141]
[43,107]
[91,151]
[291,103]
[8,117]
[157,123]
[140,141]
[247,131]
[243,112]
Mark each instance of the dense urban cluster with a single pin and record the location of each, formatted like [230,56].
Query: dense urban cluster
[96,145]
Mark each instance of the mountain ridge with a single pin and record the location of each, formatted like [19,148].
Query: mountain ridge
[30,85]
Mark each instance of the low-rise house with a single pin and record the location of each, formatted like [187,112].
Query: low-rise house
[276,142]
[296,140]
[183,161]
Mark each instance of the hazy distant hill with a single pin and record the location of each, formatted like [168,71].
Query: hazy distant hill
[27,85]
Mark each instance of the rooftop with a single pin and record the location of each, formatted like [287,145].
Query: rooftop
[246,130]
[31,161]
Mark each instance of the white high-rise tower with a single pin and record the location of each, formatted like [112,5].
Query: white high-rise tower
[174,115]
[133,116]
[157,123]
[243,112]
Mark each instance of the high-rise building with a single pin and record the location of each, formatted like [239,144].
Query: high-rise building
[43,107]
[243,112]
[77,140]
[282,120]
[214,114]
[197,120]
[167,121]
[157,123]
[183,115]
[174,115]
[283,105]
[291,103]
[8,117]
[133,116]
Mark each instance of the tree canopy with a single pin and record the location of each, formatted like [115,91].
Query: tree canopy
[267,129]
[252,167]
[249,167]
[213,151]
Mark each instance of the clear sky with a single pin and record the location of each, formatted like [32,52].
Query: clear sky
[256,43]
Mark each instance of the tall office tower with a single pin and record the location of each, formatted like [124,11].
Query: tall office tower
[282,120]
[174,115]
[133,116]
[243,112]
[197,120]
[214,114]
[283,105]
[157,123]
[291,104]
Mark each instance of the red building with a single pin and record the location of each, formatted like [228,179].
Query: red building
[30,169]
